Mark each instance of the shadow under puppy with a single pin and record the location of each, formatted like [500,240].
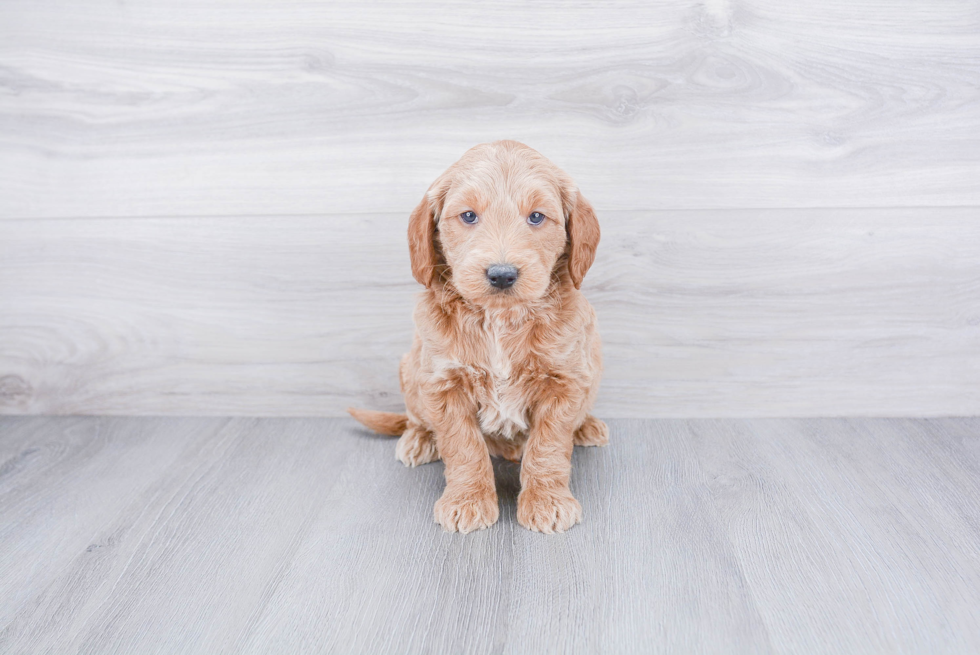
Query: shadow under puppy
[506,358]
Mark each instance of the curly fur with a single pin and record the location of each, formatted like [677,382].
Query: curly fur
[512,373]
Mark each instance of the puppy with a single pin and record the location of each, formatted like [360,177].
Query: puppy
[506,358]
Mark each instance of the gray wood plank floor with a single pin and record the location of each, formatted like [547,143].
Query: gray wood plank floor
[204,535]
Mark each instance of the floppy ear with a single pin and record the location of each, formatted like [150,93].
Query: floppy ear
[422,247]
[421,242]
[583,238]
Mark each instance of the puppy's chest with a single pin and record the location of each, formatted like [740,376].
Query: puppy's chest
[504,398]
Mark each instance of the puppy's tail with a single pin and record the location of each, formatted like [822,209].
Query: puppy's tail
[388,423]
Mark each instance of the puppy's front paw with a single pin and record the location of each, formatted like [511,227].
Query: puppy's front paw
[592,432]
[416,446]
[466,512]
[548,511]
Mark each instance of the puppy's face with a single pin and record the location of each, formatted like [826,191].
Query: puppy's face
[502,230]
[501,218]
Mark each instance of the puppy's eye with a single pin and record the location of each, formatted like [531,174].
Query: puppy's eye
[536,218]
[470,218]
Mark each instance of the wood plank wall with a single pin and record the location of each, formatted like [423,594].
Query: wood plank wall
[203,205]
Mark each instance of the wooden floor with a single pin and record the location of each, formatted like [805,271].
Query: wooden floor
[208,535]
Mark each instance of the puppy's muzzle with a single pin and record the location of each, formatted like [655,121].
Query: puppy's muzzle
[502,276]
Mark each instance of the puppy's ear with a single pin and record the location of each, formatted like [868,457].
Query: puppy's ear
[422,246]
[583,237]
[421,242]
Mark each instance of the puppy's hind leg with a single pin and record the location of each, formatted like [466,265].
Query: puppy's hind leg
[592,432]
[416,446]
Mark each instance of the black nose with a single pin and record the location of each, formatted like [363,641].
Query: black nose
[502,276]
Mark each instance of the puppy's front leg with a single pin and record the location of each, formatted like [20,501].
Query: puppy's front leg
[470,500]
[545,503]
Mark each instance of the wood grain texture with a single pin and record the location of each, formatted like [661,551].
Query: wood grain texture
[702,313]
[306,535]
[197,544]
[203,207]
[62,481]
[853,512]
[180,108]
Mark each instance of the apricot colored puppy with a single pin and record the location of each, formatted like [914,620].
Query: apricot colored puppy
[506,358]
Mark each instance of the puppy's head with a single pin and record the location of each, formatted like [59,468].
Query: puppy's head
[501,224]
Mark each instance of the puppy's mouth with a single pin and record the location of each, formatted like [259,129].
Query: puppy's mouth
[492,297]
[497,285]
[500,296]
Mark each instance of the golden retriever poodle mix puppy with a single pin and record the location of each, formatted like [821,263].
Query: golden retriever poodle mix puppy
[506,358]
